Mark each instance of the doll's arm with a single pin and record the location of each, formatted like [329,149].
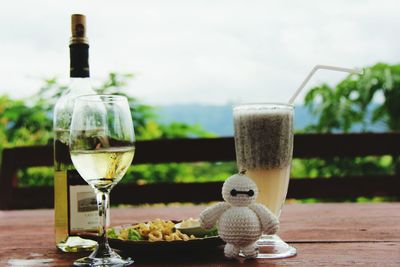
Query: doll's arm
[269,222]
[210,216]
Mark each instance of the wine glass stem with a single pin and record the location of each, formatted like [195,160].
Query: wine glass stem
[102,203]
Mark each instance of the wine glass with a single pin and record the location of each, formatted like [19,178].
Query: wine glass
[102,146]
[264,148]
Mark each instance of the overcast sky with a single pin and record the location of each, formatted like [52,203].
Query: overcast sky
[203,51]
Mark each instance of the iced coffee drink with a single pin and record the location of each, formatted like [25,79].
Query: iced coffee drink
[264,145]
[264,148]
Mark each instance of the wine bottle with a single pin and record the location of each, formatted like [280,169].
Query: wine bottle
[75,206]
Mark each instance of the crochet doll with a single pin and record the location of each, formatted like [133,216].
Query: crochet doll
[240,221]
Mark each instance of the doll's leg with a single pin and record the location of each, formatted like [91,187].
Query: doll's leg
[250,251]
[231,251]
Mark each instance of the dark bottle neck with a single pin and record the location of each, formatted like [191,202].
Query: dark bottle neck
[79,60]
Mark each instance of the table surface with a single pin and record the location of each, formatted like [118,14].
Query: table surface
[345,234]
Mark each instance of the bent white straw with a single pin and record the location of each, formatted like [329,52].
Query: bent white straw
[319,67]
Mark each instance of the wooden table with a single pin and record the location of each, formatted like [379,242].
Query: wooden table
[324,235]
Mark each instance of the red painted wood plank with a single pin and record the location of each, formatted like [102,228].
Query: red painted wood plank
[300,222]
[324,230]
[331,254]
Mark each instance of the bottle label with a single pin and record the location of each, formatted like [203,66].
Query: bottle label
[83,214]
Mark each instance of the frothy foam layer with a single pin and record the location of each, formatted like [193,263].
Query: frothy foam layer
[263,138]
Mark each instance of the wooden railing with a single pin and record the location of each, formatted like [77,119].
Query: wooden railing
[212,150]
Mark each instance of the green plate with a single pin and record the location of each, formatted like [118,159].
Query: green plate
[196,231]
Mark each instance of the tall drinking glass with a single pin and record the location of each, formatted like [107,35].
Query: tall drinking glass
[102,145]
[264,147]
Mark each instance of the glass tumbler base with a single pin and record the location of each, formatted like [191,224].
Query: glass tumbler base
[273,247]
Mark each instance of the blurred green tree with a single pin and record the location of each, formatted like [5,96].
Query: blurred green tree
[143,116]
[29,122]
[354,104]
[358,100]
[22,124]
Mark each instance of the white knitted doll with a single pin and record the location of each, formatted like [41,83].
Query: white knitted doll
[240,221]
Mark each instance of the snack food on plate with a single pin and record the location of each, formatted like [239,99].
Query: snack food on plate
[157,230]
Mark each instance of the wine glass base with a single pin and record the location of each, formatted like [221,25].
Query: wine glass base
[273,247]
[112,259]
[87,261]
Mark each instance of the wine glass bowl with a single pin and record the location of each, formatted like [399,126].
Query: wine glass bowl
[102,146]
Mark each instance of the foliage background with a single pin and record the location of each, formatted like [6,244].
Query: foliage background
[354,104]
[29,122]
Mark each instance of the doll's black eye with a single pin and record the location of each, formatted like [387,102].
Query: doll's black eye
[249,193]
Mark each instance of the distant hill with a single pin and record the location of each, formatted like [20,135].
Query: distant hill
[217,119]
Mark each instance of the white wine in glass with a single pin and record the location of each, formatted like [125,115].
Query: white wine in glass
[102,146]
[110,164]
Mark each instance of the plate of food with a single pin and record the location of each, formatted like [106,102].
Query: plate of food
[161,236]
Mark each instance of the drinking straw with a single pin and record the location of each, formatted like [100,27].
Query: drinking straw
[319,67]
